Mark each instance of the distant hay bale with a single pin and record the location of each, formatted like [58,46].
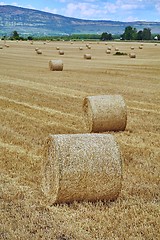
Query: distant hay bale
[6,45]
[1,47]
[89,47]
[109,48]
[105,113]
[56,65]
[80,48]
[108,51]
[132,55]
[36,49]
[87,56]
[61,52]
[155,44]
[81,167]
[58,48]
[39,51]
[132,48]
[117,49]
[106,43]
[140,47]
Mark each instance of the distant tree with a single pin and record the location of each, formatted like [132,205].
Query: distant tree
[30,38]
[158,36]
[146,34]
[129,33]
[15,35]
[140,35]
[105,36]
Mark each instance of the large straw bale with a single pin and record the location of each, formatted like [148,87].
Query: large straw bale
[61,52]
[87,56]
[80,48]
[81,167]
[132,48]
[39,51]
[56,65]
[108,51]
[105,113]
[132,55]
[1,47]
[140,47]
[58,48]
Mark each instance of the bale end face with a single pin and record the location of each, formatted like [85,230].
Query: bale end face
[81,167]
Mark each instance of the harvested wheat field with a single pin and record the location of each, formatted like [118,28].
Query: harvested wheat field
[36,102]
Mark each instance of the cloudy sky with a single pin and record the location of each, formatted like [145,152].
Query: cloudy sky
[121,10]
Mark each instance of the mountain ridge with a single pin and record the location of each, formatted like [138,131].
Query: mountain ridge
[35,22]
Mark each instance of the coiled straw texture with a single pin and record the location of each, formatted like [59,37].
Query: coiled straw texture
[81,167]
[105,113]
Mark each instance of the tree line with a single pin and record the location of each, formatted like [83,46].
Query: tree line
[130,33]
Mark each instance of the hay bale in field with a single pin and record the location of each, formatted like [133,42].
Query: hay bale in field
[36,49]
[39,51]
[132,55]
[81,167]
[132,48]
[80,48]
[108,51]
[56,65]
[87,56]
[61,52]
[155,44]
[57,48]
[1,47]
[117,49]
[105,113]
[6,45]
[109,48]
[140,47]
[89,47]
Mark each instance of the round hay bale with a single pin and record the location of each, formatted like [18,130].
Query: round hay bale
[39,51]
[132,48]
[1,47]
[109,48]
[140,47]
[105,113]
[57,48]
[155,44]
[108,51]
[36,49]
[81,167]
[56,65]
[6,45]
[89,47]
[80,48]
[87,56]
[132,55]
[117,49]
[61,52]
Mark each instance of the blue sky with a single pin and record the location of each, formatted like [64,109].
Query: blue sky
[119,10]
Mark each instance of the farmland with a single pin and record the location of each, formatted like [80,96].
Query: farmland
[36,102]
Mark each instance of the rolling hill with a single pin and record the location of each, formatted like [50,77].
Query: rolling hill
[39,23]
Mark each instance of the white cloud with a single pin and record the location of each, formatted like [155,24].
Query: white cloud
[47,9]
[158,7]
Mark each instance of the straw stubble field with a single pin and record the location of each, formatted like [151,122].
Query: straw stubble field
[35,102]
